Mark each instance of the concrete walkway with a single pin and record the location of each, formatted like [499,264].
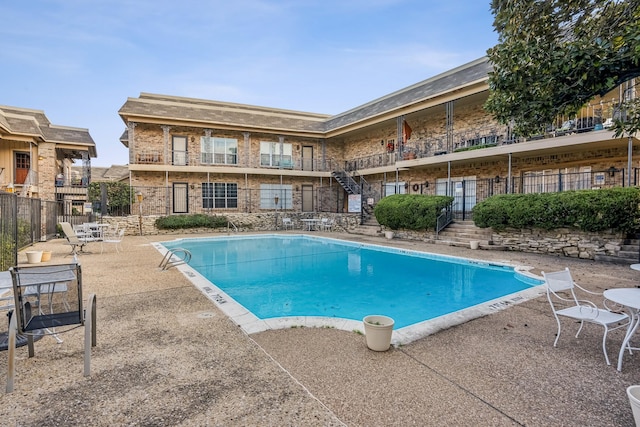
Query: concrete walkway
[167,356]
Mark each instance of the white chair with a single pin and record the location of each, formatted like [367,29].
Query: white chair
[326,224]
[287,223]
[579,309]
[116,240]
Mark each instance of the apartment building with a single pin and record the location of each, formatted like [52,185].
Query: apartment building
[434,137]
[37,158]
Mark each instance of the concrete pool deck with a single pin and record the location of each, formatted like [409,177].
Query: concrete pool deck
[166,355]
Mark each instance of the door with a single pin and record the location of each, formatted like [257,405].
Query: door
[307,158]
[307,198]
[179,150]
[180,197]
[463,191]
[23,164]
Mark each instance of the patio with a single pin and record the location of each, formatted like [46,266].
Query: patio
[167,356]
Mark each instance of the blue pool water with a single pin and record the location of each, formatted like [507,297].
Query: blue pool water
[276,276]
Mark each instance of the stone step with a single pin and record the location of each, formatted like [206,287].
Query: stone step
[367,230]
[463,236]
[632,255]
[468,232]
[614,259]
[465,244]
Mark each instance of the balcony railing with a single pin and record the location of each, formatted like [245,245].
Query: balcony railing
[182,158]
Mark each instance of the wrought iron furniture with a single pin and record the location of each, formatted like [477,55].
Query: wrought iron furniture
[579,309]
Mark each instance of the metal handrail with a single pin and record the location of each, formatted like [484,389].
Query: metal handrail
[444,219]
[174,257]
[234,226]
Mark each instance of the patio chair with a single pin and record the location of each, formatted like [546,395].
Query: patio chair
[116,240]
[73,239]
[287,223]
[326,224]
[579,309]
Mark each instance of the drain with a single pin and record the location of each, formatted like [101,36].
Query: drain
[205,315]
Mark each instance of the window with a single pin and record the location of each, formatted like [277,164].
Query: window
[222,151]
[272,193]
[219,195]
[276,154]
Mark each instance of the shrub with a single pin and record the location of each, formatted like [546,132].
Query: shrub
[410,211]
[614,209]
[174,222]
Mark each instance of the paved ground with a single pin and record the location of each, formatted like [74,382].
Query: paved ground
[167,356]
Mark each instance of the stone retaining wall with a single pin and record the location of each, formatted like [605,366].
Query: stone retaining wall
[243,222]
[562,242]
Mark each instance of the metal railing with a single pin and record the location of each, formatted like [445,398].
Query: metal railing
[181,158]
[444,219]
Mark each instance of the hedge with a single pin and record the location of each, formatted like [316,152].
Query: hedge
[410,211]
[174,222]
[615,209]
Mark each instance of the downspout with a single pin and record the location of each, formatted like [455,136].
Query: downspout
[509,176]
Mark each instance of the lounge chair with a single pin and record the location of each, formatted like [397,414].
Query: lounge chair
[77,243]
[579,309]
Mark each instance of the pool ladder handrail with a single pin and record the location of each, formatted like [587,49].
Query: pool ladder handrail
[174,257]
[234,226]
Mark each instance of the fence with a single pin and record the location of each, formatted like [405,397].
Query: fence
[20,226]
[21,218]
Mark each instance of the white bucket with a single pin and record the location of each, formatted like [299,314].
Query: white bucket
[633,392]
[34,257]
[474,244]
[378,330]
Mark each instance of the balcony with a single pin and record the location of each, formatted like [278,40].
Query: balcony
[233,160]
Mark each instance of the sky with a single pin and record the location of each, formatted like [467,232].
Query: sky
[80,60]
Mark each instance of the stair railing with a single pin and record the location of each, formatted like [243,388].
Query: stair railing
[444,219]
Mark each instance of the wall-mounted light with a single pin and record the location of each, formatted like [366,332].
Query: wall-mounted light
[297,147]
[193,139]
[426,184]
[10,188]
[382,142]
[612,171]
[40,157]
[192,186]
[497,179]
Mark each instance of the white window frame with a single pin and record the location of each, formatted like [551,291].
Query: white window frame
[219,195]
[270,154]
[218,151]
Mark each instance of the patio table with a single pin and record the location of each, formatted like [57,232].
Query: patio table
[312,223]
[629,298]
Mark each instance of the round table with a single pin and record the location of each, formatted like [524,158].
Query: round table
[629,298]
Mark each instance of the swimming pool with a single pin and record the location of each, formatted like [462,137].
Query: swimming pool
[281,280]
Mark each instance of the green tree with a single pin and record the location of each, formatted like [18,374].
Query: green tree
[119,196]
[553,56]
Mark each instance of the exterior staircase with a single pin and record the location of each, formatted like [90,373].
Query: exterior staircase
[369,227]
[629,253]
[461,233]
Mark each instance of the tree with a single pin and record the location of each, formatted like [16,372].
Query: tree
[119,196]
[553,56]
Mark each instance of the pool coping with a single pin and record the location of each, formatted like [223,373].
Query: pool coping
[251,324]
